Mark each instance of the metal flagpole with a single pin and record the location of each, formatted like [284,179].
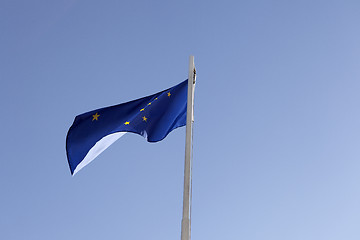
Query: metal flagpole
[186,218]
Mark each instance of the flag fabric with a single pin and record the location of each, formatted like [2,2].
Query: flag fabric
[152,117]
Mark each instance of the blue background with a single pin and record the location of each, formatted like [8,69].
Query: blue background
[276,137]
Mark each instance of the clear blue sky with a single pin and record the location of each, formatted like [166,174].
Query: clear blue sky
[277,119]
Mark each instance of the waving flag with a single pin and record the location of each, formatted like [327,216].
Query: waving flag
[153,117]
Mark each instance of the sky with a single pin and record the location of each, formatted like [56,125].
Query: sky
[276,133]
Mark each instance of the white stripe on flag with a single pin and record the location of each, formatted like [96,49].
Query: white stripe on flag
[98,148]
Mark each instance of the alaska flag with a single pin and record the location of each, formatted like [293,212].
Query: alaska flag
[153,117]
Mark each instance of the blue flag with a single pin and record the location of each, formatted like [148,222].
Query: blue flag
[153,117]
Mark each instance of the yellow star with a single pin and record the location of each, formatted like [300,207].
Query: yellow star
[142,109]
[169,94]
[144,118]
[149,103]
[155,98]
[95,116]
[127,123]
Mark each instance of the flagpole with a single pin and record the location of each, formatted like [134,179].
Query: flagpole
[186,218]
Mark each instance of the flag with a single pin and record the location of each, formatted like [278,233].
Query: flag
[152,117]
